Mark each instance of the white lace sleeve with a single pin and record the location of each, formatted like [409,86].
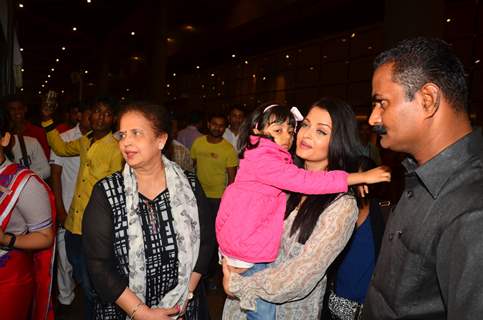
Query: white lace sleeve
[296,277]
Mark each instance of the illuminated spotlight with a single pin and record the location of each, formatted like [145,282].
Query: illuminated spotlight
[22,70]
[246,61]
[20,5]
[477,61]
[448,20]
[62,91]
[40,92]
[86,71]
[43,85]
[174,74]
[287,56]
[63,48]
[74,28]
[133,33]
[57,60]
[46,81]
[212,74]
[233,56]
[21,89]
[353,35]
[89,1]
[52,69]
[21,49]
[197,67]
[48,76]
[167,85]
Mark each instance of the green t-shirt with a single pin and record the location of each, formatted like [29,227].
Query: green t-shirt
[212,159]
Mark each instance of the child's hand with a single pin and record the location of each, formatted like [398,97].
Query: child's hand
[379,174]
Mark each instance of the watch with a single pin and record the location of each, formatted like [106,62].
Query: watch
[11,243]
[190,295]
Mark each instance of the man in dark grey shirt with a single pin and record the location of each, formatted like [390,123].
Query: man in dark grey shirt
[431,261]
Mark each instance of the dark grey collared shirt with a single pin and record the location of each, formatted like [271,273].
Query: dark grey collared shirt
[431,261]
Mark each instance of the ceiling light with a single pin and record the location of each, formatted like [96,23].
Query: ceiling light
[63,48]
[174,74]
[21,49]
[169,39]
[20,5]
[46,81]
[52,69]
[197,67]
[62,91]
[189,27]
[254,76]
[133,33]
[353,35]
[43,85]
[246,61]
[287,56]
[57,60]
[86,72]
[233,56]
[167,85]
[48,76]
[88,1]
[127,89]
[40,92]
[74,28]
[264,78]
[477,61]
[21,89]
[212,74]
[22,70]
[448,20]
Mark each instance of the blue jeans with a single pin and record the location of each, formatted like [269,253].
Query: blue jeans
[75,255]
[265,310]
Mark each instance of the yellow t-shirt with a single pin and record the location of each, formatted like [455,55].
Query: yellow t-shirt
[97,161]
[212,159]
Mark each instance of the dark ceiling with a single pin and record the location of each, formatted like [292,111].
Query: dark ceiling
[202,31]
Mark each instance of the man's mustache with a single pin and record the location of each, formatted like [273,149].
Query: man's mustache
[379,129]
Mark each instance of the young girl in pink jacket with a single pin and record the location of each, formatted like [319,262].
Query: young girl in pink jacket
[250,219]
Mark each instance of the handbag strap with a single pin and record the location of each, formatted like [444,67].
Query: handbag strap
[25,160]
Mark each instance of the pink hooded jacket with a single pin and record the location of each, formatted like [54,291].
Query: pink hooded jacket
[249,223]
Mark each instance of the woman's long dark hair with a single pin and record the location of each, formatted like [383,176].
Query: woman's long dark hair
[344,154]
[277,113]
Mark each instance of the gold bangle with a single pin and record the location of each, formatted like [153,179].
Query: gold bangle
[135,309]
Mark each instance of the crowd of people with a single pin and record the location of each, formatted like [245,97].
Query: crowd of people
[143,216]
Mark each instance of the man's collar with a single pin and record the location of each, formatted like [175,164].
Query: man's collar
[436,172]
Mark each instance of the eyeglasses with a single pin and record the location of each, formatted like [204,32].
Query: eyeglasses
[135,133]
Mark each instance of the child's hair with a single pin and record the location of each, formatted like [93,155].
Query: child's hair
[262,117]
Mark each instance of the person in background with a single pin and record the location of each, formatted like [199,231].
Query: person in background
[189,134]
[146,235]
[215,162]
[369,149]
[28,152]
[232,132]
[431,257]
[351,272]
[20,126]
[27,233]
[64,175]
[99,157]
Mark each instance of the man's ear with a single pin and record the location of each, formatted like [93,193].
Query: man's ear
[431,98]
[5,140]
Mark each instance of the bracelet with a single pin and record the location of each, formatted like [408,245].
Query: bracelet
[135,309]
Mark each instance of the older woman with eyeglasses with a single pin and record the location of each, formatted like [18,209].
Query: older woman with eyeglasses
[144,232]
